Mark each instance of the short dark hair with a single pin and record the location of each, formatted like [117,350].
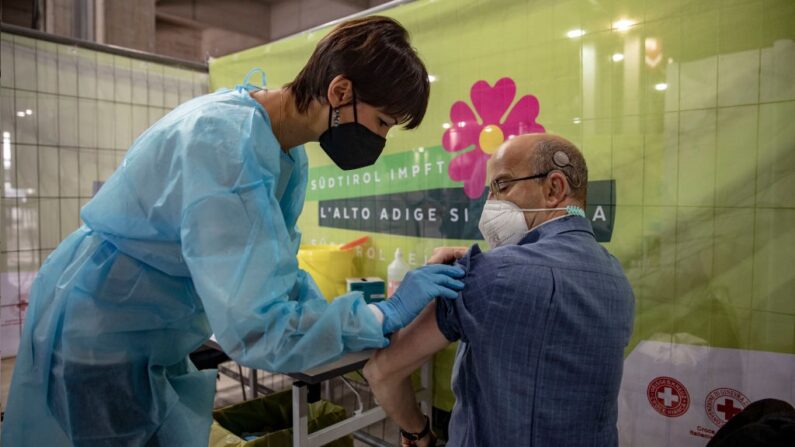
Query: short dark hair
[575,169]
[374,53]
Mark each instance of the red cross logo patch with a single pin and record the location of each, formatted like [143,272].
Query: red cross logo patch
[723,404]
[668,396]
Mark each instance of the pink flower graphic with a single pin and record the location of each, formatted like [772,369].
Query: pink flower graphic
[486,135]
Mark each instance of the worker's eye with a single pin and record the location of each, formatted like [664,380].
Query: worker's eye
[382,123]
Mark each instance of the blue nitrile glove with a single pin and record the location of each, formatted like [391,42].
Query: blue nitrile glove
[416,290]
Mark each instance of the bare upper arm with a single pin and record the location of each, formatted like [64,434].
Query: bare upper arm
[409,348]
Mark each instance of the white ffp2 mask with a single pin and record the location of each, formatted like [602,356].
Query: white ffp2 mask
[502,222]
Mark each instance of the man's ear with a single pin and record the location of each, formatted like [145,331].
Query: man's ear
[557,190]
[340,91]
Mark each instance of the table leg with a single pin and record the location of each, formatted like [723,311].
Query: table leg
[300,416]
[252,381]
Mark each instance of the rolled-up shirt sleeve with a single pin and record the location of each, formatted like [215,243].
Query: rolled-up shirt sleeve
[450,313]
[447,319]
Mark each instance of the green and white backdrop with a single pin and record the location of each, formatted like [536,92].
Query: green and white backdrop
[683,109]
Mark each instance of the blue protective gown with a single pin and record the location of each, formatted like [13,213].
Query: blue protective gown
[195,233]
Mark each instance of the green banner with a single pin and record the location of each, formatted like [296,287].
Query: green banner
[415,170]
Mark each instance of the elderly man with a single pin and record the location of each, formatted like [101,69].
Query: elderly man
[543,320]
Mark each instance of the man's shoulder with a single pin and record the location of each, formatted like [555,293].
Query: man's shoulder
[567,251]
[509,256]
[482,262]
[512,264]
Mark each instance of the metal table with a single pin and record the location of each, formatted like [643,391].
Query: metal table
[254,385]
[348,363]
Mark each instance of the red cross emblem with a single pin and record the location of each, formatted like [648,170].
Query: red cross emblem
[668,396]
[723,404]
[728,409]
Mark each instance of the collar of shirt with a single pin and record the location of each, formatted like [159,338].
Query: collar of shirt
[548,221]
[555,226]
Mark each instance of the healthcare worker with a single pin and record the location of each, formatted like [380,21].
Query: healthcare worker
[195,234]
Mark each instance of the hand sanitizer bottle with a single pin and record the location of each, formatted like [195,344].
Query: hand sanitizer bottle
[395,272]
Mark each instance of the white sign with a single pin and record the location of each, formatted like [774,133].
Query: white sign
[680,395]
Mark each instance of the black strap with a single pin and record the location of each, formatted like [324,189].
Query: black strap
[420,435]
[355,114]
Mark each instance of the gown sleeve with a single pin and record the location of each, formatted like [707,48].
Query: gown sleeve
[239,244]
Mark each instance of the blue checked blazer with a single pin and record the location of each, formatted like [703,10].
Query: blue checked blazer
[543,326]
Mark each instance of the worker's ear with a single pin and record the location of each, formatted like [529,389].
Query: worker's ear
[557,188]
[340,91]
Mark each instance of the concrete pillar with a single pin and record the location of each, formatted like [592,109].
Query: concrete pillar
[60,17]
[129,24]
[182,42]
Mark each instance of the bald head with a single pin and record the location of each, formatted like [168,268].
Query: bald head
[540,153]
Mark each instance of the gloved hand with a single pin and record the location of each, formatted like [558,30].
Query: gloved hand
[416,290]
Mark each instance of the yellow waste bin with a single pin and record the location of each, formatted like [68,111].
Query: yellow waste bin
[329,267]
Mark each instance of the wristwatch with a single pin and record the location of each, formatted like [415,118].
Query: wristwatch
[417,436]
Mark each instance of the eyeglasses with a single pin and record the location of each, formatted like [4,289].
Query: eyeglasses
[498,185]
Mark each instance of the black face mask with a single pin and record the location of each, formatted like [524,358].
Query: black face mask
[350,145]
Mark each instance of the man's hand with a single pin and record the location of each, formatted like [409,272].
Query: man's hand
[447,255]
